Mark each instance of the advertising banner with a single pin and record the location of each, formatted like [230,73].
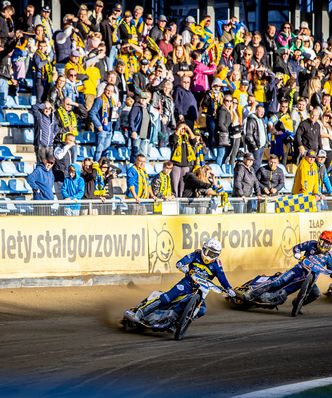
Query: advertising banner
[51,246]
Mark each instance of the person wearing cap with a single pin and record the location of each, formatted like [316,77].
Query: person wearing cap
[141,78]
[308,134]
[127,29]
[324,181]
[187,32]
[84,26]
[44,19]
[241,95]
[96,15]
[147,27]
[226,57]
[41,180]
[282,64]
[139,126]
[101,117]
[245,182]
[306,180]
[157,31]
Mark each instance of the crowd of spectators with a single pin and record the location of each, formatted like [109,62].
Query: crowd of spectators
[246,98]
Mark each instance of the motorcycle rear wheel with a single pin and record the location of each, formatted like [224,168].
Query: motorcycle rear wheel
[302,295]
[186,317]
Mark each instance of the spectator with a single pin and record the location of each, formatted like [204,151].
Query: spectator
[271,177]
[101,116]
[45,130]
[299,113]
[67,120]
[185,103]
[71,86]
[138,185]
[306,179]
[41,180]
[161,184]
[222,138]
[245,182]
[156,32]
[187,32]
[45,20]
[326,136]
[25,22]
[96,15]
[73,190]
[182,156]
[64,154]
[56,94]
[323,178]
[308,134]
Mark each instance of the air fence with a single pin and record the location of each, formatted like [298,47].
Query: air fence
[119,206]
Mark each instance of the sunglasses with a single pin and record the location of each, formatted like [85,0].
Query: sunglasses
[72,75]
[227,100]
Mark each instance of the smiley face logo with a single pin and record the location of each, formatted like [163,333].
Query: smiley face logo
[164,249]
[288,240]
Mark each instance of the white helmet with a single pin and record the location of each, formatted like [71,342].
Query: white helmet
[211,250]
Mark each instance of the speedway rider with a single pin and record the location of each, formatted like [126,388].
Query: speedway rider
[322,256]
[204,262]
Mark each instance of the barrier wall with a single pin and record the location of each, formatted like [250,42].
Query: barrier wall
[101,245]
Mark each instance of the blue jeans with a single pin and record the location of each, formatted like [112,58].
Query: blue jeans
[3,93]
[104,141]
[258,155]
[222,154]
[135,145]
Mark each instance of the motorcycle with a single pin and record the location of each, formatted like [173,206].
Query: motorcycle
[271,300]
[178,315]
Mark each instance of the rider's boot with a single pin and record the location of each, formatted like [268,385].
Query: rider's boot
[145,310]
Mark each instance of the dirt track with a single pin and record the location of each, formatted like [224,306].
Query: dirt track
[66,342]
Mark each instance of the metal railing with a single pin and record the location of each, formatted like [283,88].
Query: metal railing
[121,206]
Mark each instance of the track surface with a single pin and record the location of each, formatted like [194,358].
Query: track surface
[67,342]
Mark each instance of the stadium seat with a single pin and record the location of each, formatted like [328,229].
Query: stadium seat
[123,169]
[227,185]
[24,207]
[150,170]
[13,119]
[23,101]
[28,136]
[17,186]
[25,168]
[6,154]
[118,138]
[82,153]
[27,118]
[216,169]
[210,156]
[4,187]
[11,103]
[124,153]
[154,154]
[158,166]
[6,206]
[227,170]
[33,100]
[8,169]
[165,153]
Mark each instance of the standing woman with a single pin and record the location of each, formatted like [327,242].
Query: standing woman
[222,138]
[56,94]
[326,134]
[182,143]
[181,64]
[315,92]
[235,132]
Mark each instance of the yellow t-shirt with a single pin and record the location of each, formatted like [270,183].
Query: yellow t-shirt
[328,87]
[90,85]
[259,91]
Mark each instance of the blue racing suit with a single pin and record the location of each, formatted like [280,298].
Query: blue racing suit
[292,279]
[190,262]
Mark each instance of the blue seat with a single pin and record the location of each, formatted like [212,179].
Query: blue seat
[150,170]
[25,168]
[82,153]
[23,100]
[28,136]
[158,166]
[124,153]
[91,151]
[227,185]
[165,153]
[13,119]
[210,156]
[227,170]
[122,167]
[11,103]
[216,169]
[4,187]
[8,169]
[154,154]
[118,138]
[17,186]
[33,100]
[6,154]
[27,118]
[113,154]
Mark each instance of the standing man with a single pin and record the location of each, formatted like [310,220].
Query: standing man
[41,180]
[256,135]
[270,177]
[157,31]
[306,179]
[43,66]
[185,103]
[308,134]
[101,117]
[161,184]
[138,184]
[45,20]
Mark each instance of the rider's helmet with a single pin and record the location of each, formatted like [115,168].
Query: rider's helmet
[324,243]
[210,251]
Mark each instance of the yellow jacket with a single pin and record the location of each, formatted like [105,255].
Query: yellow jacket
[306,178]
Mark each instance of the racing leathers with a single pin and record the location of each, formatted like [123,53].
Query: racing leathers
[190,262]
[292,279]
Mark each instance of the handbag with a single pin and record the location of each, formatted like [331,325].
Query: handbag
[223,139]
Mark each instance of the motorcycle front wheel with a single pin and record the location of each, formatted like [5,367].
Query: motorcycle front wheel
[186,317]
[302,295]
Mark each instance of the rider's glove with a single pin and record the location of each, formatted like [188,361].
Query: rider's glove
[183,267]
[231,293]
[297,255]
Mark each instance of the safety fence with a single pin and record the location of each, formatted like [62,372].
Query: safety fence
[180,206]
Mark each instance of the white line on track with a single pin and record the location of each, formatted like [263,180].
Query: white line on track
[284,391]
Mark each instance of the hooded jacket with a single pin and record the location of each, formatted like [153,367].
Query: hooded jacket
[73,188]
[306,178]
[41,181]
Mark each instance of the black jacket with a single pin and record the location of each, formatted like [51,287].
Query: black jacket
[5,71]
[252,134]
[268,178]
[224,123]
[106,29]
[192,185]
[308,135]
[245,181]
